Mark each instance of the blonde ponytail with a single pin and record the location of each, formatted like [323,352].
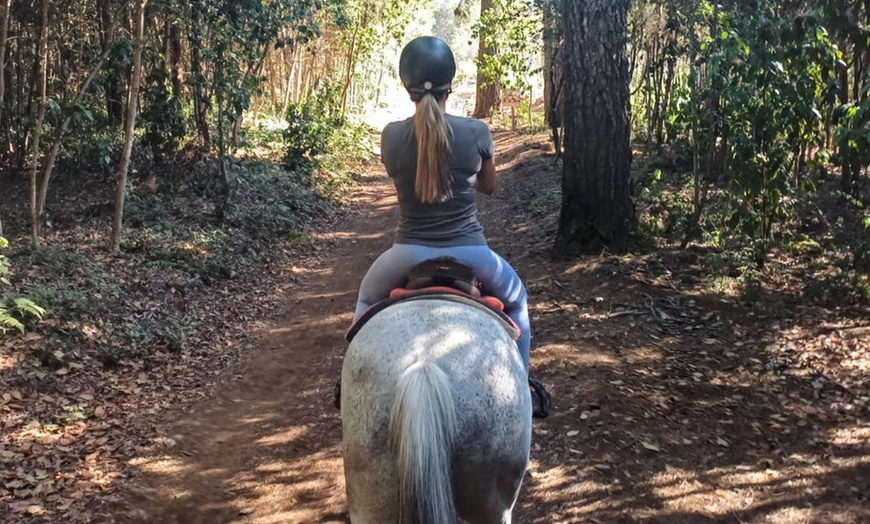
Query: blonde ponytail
[433,152]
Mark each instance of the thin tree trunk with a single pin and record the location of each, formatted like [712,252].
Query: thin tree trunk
[596,202]
[200,104]
[225,181]
[290,83]
[42,58]
[553,98]
[4,32]
[348,75]
[175,59]
[19,147]
[254,68]
[61,130]
[488,97]
[108,22]
[129,125]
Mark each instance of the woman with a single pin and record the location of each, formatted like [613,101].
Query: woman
[438,162]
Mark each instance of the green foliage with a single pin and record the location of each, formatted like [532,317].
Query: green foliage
[546,199]
[511,28]
[759,103]
[853,133]
[286,202]
[662,204]
[748,115]
[162,112]
[14,310]
[323,145]
[5,266]
[310,125]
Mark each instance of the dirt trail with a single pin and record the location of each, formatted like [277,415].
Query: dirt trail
[268,449]
[670,405]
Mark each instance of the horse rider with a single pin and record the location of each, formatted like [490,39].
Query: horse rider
[438,163]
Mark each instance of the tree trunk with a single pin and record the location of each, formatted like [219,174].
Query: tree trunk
[553,71]
[488,97]
[4,31]
[222,165]
[200,103]
[129,125]
[348,74]
[114,106]
[596,202]
[175,59]
[42,59]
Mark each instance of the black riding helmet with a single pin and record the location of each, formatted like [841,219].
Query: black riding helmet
[427,65]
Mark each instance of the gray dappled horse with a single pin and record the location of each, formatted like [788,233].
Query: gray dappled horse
[436,416]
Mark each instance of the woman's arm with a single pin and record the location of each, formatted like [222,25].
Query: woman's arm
[486,178]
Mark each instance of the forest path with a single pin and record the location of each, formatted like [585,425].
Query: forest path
[671,403]
[268,448]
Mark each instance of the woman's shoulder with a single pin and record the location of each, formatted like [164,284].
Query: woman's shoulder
[397,125]
[478,126]
[396,132]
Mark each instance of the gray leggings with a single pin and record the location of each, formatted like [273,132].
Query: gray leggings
[497,277]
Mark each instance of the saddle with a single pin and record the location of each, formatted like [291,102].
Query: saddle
[443,278]
[446,278]
[444,272]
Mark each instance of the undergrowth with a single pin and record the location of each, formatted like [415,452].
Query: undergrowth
[175,247]
[818,251]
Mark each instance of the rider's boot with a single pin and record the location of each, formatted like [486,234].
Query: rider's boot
[541,401]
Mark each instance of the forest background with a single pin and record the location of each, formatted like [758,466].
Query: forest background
[153,150]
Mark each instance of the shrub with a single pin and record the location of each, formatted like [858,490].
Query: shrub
[13,310]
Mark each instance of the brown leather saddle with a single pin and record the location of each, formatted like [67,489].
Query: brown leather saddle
[444,272]
[445,278]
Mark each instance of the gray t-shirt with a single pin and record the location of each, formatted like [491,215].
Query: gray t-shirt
[444,224]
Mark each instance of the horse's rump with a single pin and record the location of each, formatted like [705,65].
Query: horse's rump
[488,386]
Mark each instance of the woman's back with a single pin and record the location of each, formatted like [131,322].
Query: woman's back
[454,221]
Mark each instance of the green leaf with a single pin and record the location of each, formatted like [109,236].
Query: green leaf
[27,307]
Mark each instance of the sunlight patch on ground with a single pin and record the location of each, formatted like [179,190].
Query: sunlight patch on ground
[285,437]
[163,464]
[350,235]
[296,270]
[852,436]
[335,294]
[583,266]
[740,488]
[584,357]
[254,419]
[318,489]
[6,363]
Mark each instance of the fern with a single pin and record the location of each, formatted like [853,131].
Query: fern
[20,307]
[8,322]
[26,307]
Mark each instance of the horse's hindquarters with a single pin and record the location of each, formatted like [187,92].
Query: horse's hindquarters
[490,396]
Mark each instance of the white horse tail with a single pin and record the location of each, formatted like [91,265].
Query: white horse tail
[422,431]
